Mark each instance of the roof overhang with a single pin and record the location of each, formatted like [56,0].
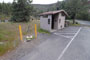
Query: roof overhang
[54,12]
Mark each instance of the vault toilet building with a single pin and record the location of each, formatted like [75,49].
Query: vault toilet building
[53,20]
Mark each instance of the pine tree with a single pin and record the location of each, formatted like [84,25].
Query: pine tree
[21,10]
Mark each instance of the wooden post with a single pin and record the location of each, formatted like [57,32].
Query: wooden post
[35,31]
[20,30]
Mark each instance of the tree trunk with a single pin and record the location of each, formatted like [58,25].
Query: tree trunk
[73,21]
[73,17]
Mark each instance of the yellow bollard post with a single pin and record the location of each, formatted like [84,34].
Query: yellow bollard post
[35,31]
[20,30]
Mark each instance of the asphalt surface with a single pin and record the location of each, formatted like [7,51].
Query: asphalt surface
[71,43]
[83,22]
[80,47]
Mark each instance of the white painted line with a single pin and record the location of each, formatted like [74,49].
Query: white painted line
[69,36]
[67,33]
[66,36]
[62,53]
[61,35]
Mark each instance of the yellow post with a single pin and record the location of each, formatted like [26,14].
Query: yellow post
[20,30]
[35,31]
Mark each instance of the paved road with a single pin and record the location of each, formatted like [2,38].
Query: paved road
[71,43]
[80,47]
[83,22]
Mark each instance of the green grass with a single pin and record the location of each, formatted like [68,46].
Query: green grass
[74,24]
[9,34]
[7,46]
[4,17]
[43,31]
[71,23]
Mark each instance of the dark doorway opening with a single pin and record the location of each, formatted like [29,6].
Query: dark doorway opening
[52,21]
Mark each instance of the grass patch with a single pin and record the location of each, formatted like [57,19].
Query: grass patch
[43,31]
[9,37]
[7,46]
[9,34]
[71,23]
[74,24]
[4,17]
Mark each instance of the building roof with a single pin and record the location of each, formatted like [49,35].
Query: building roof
[54,12]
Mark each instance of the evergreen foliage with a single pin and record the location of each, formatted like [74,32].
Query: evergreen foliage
[21,10]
